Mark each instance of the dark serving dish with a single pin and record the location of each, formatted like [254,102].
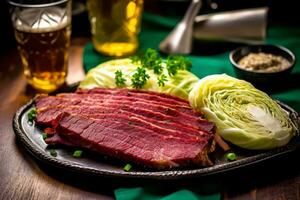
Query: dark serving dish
[30,137]
[262,78]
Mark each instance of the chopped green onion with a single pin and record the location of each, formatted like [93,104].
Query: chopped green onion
[53,152]
[45,136]
[77,153]
[127,167]
[231,156]
[31,115]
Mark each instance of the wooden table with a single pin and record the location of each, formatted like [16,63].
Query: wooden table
[23,177]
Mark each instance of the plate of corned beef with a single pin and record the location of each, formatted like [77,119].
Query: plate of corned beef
[154,135]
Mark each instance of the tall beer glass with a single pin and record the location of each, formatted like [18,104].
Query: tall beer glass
[115,25]
[42,31]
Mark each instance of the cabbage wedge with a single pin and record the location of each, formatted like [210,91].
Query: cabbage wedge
[104,76]
[244,115]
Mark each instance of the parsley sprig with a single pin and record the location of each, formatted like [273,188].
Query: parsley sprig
[139,78]
[151,60]
[175,63]
[161,80]
[120,80]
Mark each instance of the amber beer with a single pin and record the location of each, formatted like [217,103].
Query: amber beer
[42,31]
[44,54]
[115,25]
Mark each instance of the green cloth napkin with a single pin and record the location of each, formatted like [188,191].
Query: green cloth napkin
[155,29]
[140,193]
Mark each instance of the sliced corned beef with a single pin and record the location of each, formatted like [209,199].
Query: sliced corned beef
[148,128]
[133,143]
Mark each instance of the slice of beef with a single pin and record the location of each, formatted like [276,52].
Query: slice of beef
[47,116]
[133,143]
[147,128]
[104,99]
[132,96]
[151,110]
[59,139]
[158,107]
[137,93]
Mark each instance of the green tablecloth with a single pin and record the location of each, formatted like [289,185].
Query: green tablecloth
[154,29]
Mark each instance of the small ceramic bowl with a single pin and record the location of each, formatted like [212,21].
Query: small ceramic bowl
[262,78]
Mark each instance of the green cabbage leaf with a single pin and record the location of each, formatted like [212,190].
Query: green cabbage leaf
[244,115]
[104,76]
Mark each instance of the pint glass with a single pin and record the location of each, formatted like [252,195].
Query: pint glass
[115,25]
[42,31]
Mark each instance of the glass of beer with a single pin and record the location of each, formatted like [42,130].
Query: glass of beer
[42,31]
[115,25]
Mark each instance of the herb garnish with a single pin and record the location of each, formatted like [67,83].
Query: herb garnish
[139,78]
[135,59]
[77,153]
[161,80]
[31,115]
[53,152]
[45,136]
[174,63]
[151,60]
[120,80]
[127,167]
[231,156]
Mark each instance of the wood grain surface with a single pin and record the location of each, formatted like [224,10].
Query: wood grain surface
[23,177]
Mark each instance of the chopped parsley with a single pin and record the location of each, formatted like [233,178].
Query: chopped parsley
[77,154]
[45,136]
[120,80]
[32,115]
[139,78]
[53,152]
[127,167]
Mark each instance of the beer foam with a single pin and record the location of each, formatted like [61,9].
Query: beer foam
[40,20]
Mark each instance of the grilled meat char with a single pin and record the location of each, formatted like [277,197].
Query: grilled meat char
[147,128]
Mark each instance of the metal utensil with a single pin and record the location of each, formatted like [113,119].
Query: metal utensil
[179,41]
[246,26]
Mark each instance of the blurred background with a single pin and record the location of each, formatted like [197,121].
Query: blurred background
[280,12]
